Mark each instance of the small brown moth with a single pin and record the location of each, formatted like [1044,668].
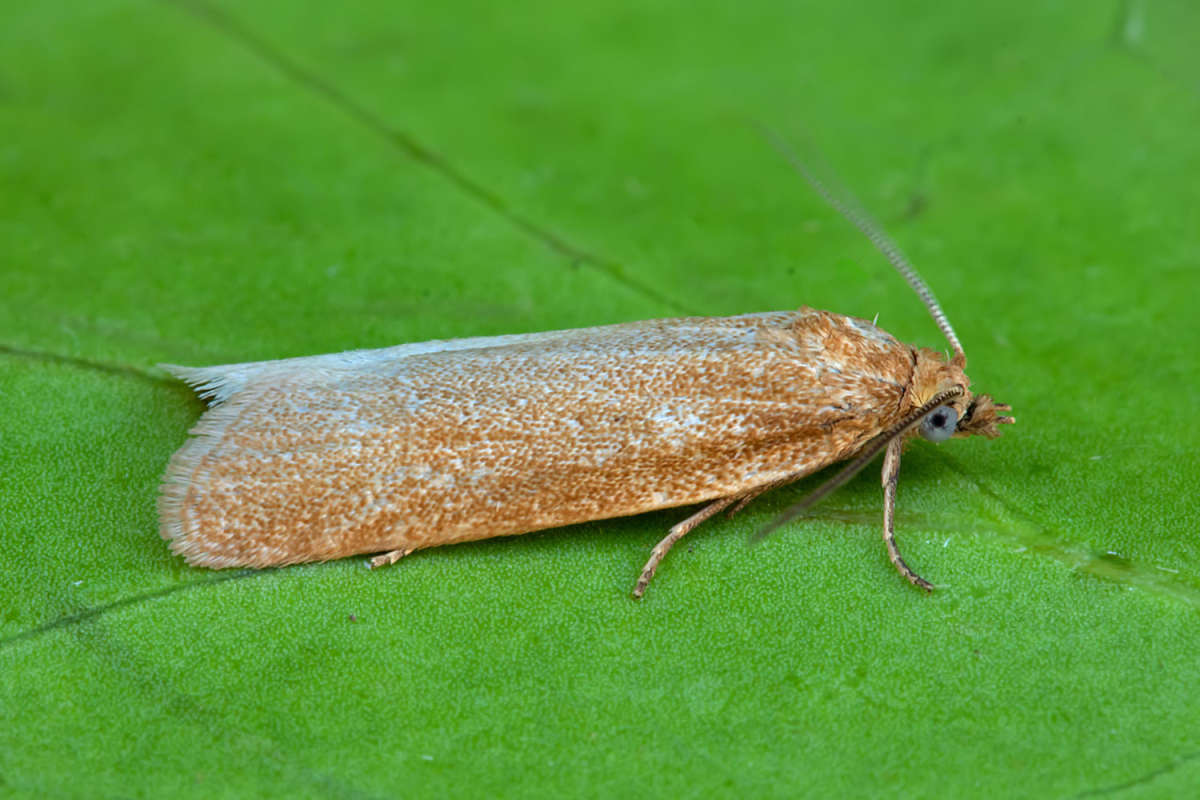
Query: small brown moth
[392,450]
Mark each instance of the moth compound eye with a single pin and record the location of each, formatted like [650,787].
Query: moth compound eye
[939,424]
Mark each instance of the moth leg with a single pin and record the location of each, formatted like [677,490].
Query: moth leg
[752,495]
[891,475]
[676,533]
[390,557]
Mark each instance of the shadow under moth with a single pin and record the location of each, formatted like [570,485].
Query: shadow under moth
[392,450]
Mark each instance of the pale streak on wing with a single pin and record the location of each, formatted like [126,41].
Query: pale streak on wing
[424,444]
[218,383]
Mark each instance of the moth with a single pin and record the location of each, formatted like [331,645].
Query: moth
[393,450]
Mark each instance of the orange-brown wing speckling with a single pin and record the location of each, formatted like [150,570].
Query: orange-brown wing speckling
[420,445]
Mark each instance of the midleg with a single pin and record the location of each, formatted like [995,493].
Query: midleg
[676,533]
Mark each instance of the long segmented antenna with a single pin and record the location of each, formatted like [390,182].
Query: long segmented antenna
[845,204]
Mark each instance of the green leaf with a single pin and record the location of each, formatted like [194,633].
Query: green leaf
[199,184]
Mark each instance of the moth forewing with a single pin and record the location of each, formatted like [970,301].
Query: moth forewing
[396,450]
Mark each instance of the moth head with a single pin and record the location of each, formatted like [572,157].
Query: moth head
[966,414]
[983,417]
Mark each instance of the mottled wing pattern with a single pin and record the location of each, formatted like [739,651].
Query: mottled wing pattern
[421,445]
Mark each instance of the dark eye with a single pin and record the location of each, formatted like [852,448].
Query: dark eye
[939,424]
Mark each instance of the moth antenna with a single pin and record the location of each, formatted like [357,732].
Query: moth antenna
[864,457]
[844,203]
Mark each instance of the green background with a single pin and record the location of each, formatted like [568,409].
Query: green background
[198,184]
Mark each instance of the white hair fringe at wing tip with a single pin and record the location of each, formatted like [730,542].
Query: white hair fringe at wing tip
[215,385]
[218,383]
[209,383]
